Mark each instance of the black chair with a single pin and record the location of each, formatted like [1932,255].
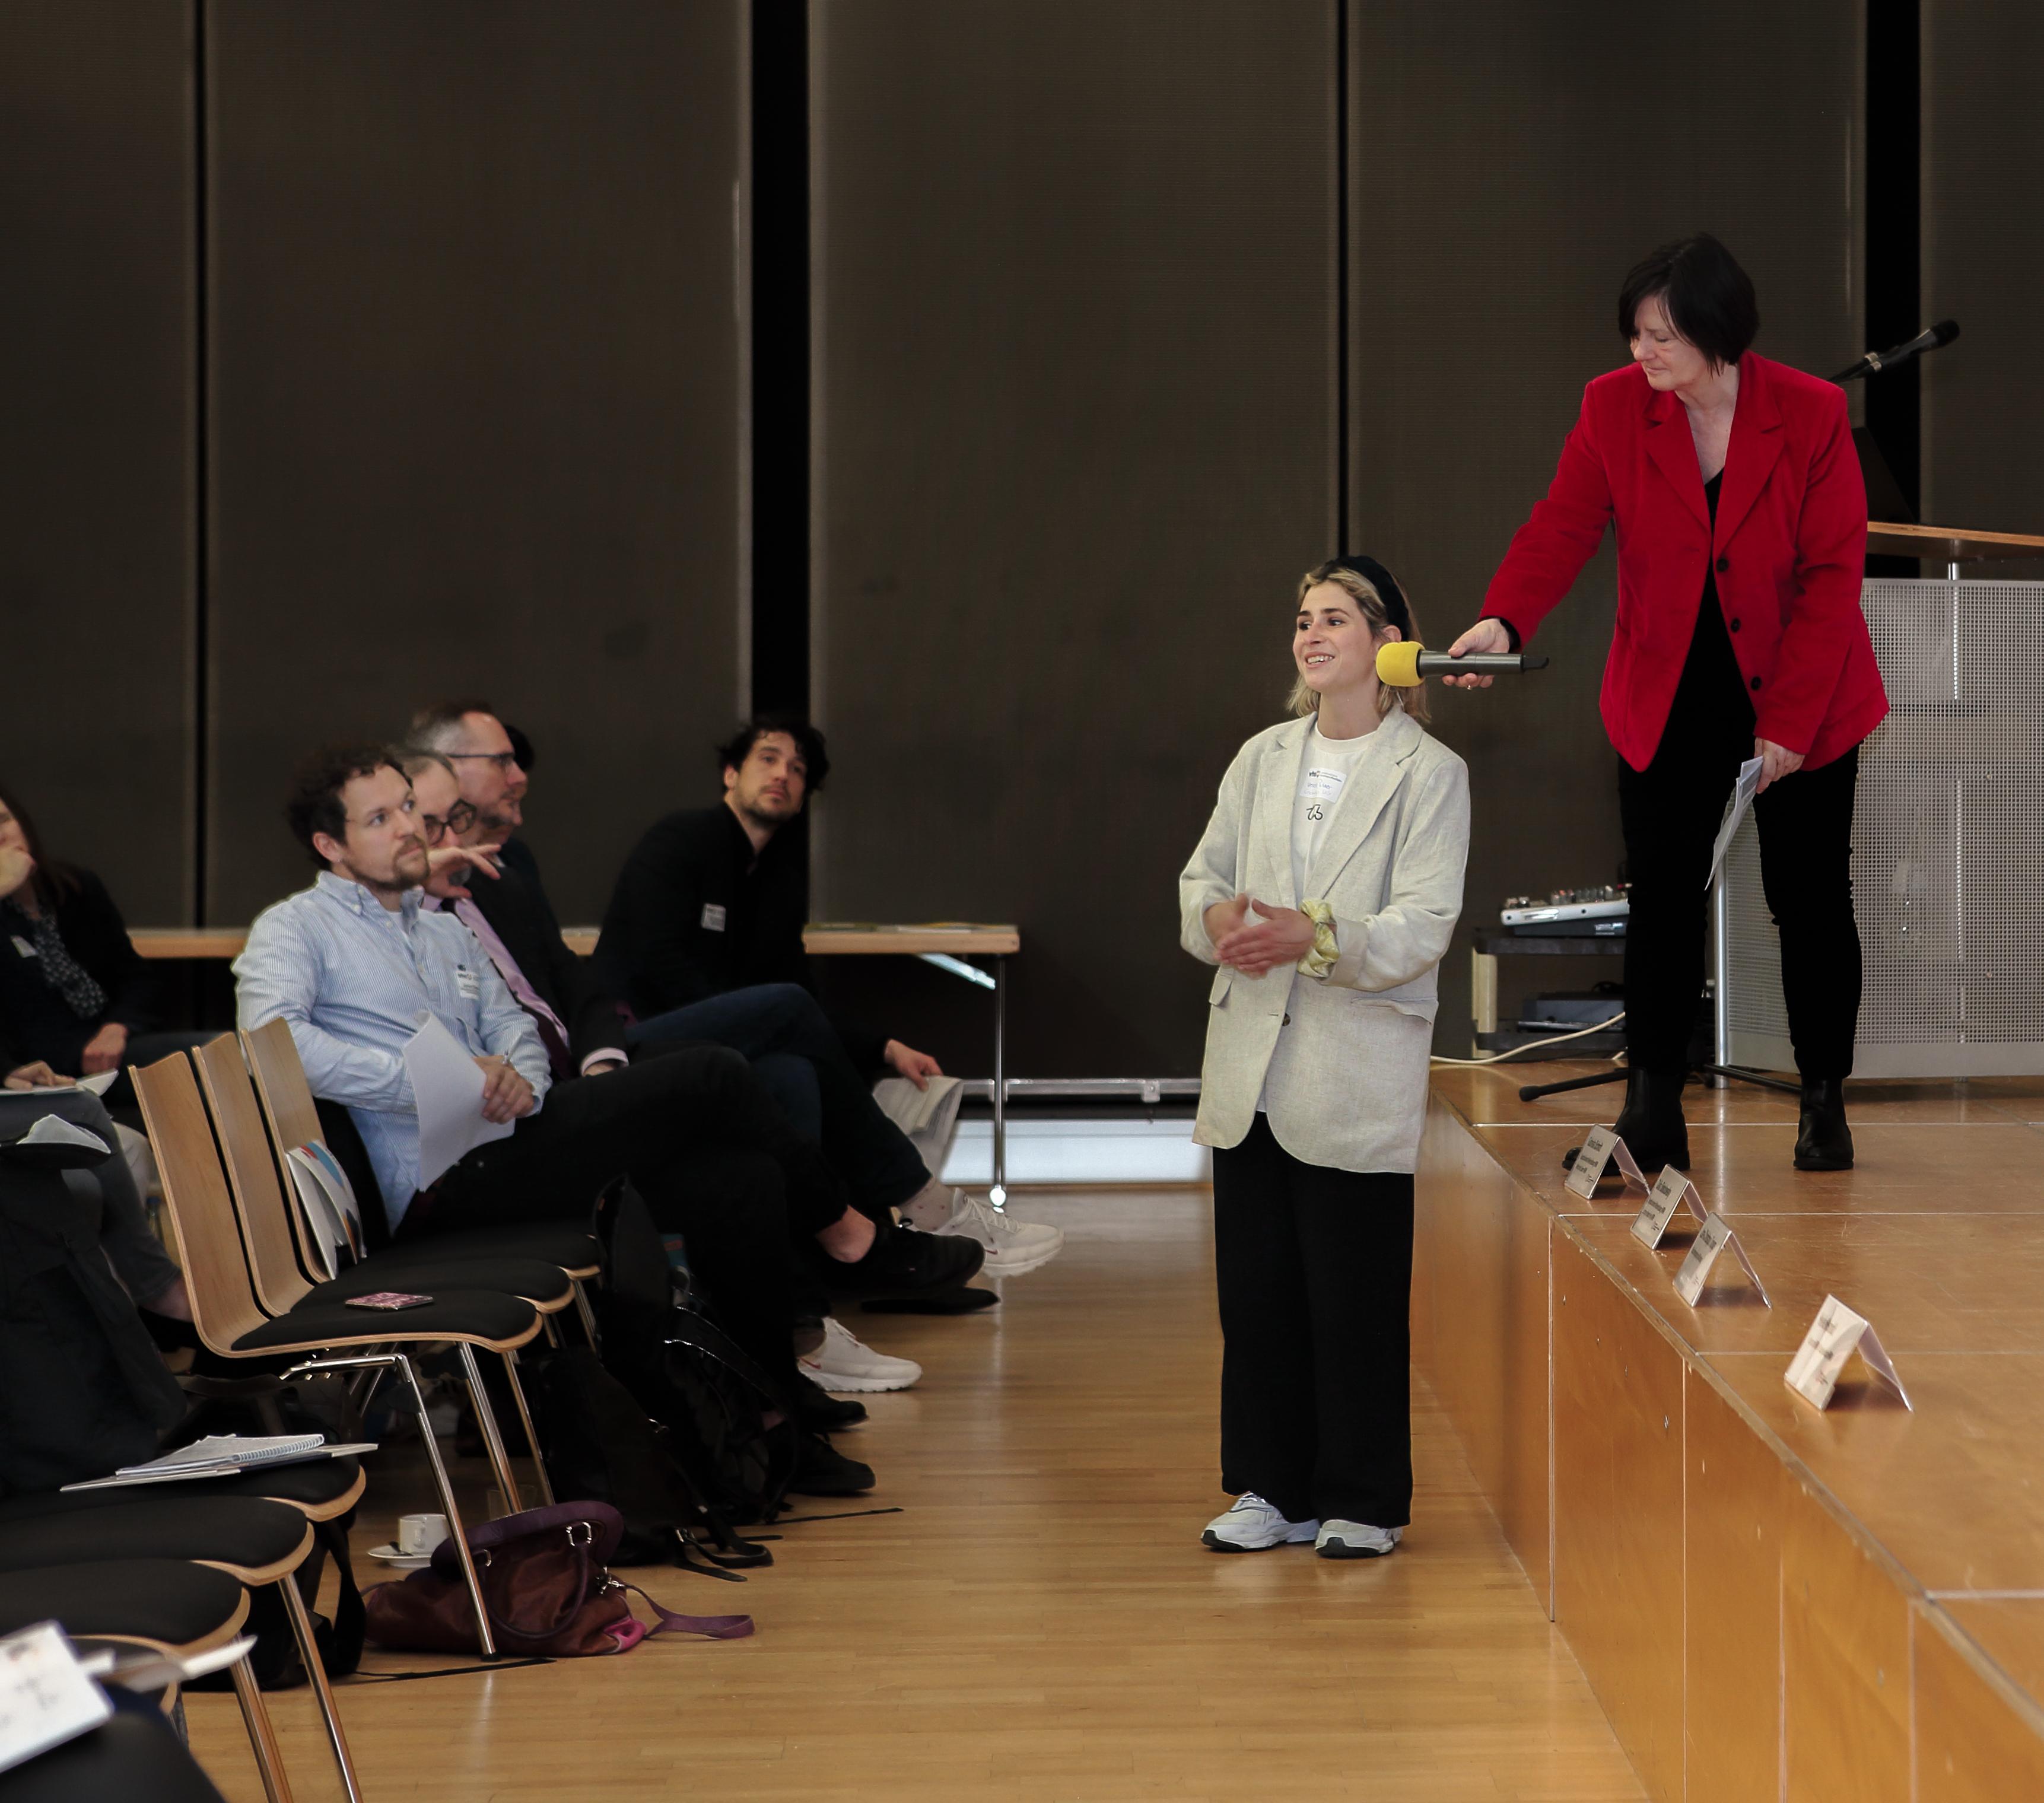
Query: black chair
[165,1604]
[254,1540]
[134,1757]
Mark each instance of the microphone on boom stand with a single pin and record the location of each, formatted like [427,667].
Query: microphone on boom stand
[1935,338]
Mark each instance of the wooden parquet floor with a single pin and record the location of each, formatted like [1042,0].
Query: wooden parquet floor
[1039,1623]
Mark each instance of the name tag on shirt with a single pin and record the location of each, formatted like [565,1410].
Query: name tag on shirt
[1322,784]
[713,917]
[22,946]
[467,982]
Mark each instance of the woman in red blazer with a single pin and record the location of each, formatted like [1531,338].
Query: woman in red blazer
[1740,517]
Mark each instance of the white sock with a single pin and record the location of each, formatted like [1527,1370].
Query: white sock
[930,1207]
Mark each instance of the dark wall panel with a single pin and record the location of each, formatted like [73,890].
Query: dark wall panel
[95,505]
[1984,263]
[1510,163]
[475,405]
[1075,432]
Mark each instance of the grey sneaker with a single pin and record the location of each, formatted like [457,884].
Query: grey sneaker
[1355,1539]
[1252,1525]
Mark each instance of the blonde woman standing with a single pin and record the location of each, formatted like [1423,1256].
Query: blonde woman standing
[1325,888]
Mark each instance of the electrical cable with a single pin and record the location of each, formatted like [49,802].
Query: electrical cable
[1533,1045]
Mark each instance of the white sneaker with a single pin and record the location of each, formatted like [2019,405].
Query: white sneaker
[844,1362]
[1013,1247]
[1355,1539]
[1252,1525]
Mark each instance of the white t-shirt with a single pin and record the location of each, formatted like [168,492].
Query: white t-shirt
[1325,766]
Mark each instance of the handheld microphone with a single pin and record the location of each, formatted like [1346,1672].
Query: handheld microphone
[1874,362]
[1404,664]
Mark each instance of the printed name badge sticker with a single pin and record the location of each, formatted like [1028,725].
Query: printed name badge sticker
[1834,1335]
[1670,1191]
[1600,1145]
[1712,1237]
[45,1697]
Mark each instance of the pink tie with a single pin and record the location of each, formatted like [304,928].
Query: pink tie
[549,1023]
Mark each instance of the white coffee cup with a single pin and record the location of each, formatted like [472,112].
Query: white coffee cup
[418,1534]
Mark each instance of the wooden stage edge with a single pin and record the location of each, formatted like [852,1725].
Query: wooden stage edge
[1769,1602]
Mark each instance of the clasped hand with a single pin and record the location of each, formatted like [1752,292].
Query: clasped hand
[506,1096]
[1254,936]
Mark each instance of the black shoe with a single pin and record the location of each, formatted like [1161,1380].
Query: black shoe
[902,1261]
[825,1413]
[1823,1142]
[936,1302]
[1651,1122]
[821,1469]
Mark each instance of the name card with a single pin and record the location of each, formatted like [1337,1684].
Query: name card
[45,1697]
[1834,1335]
[1670,1191]
[1712,1237]
[1600,1146]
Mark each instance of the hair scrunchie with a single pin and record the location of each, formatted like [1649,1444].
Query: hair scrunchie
[1326,950]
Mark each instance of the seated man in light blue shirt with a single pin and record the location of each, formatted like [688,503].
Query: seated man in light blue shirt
[354,965]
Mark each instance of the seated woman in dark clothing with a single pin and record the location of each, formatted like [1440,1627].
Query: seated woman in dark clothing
[74,993]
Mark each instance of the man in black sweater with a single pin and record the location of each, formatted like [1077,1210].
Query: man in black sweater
[704,938]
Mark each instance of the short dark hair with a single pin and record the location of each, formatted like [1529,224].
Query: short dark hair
[1710,299]
[315,805]
[808,741]
[48,883]
[430,724]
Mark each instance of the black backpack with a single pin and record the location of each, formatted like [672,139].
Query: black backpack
[688,1375]
[601,1445]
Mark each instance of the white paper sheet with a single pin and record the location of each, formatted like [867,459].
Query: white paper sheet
[446,1085]
[1742,799]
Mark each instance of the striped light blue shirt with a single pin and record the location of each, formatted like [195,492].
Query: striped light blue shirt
[356,980]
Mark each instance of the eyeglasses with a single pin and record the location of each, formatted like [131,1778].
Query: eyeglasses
[460,817]
[505,761]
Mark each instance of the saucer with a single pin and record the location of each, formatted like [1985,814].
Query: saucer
[389,1556]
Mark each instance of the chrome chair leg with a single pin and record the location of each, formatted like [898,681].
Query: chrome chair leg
[308,1652]
[493,1441]
[262,1735]
[399,1363]
[511,1369]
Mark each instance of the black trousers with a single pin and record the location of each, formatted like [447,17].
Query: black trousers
[715,1159]
[1670,812]
[1315,1270]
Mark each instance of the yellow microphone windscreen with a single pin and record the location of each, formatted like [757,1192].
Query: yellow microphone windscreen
[1398,663]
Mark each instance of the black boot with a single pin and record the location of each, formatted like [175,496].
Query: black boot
[1823,1142]
[1651,1122]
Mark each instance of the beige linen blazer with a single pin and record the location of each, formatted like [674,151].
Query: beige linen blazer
[1340,1061]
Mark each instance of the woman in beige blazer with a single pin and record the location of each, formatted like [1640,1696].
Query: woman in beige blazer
[1325,888]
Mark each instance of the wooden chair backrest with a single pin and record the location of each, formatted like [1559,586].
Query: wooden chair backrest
[287,1102]
[280,1081]
[195,1196]
[265,1212]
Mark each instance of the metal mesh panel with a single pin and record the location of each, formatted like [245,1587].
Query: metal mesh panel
[1951,813]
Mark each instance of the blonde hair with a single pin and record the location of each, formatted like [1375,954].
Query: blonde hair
[1370,603]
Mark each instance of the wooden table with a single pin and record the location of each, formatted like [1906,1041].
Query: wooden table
[945,944]
[1949,545]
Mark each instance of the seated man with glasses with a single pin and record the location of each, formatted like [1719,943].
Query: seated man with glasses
[356,961]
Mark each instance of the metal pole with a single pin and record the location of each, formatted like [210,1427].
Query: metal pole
[1721,959]
[998,1194]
